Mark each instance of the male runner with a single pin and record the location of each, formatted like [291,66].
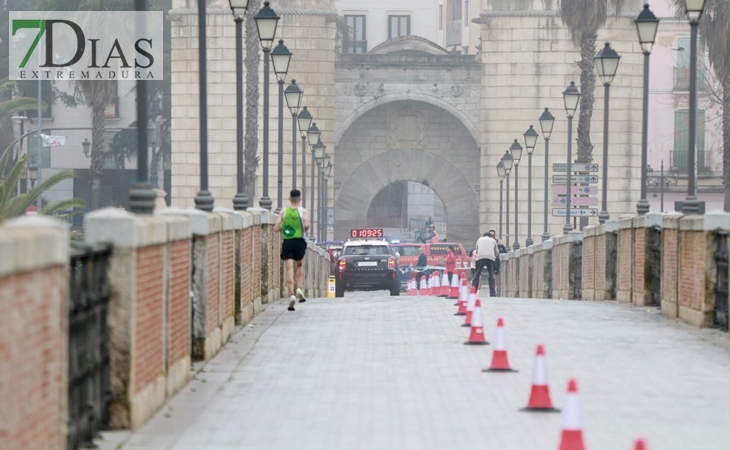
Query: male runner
[293,222]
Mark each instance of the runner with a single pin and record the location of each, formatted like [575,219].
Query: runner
[293,222]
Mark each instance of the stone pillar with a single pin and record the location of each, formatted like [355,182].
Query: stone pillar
[547,268]
[670,264]
[625,259]
[149,310]
[514,274]
[503,275]
[590,242]
[697,266]
[536,271]
[34,341]
[524,275]
[559,267]
[643,252]
[605,261]
[575,265]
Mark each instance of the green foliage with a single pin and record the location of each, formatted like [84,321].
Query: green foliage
[12,205]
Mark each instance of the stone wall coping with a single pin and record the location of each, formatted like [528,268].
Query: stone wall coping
[610,226]
[322,252]
[574,236]
[538,247]
[236,216]
[226,216]
[256,215]
[247,219]
[547,245]
[692,223]
[671,220]
[124,229]
[590,230]
[717,220]
[557,240]
[264,214]
[179,228]
[625,222]
[504,256]
[531,250]
[516,253]
[33,242]
[280,11]
[649,220]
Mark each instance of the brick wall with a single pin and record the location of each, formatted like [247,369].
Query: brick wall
[148,359]
[555,266]
[228,267]
[670,265]
[590,242]
[212,318]
[638,283]
[625,261]
[246,268]
[599,265]
[179,302]
[538,262]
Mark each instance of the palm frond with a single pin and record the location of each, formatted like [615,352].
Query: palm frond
[19,103]
[55,209]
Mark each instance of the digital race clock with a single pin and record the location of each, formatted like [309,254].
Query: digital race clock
[366,233]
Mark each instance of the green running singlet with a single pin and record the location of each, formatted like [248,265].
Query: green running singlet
[292,227]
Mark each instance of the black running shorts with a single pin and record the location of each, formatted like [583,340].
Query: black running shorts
[293,249]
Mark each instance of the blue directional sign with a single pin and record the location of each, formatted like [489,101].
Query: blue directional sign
[586,212]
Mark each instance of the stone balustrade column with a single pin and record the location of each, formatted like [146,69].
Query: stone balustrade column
[644,244]
[590,253]
[536,271]
[559,266]
[625,259]
[605,260]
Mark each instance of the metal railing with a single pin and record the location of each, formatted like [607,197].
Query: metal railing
[679,160]
[681,78]
[89,388]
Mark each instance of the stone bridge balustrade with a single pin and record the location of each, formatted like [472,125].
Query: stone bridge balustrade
[625,259]
[670,265]
[643,256]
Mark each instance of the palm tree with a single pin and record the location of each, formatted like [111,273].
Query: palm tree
[251,139]
[15,205]
[584,18]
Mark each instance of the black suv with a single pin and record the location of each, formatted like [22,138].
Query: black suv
[366,265]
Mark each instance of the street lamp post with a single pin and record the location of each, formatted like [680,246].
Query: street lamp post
[293,95]
[304,120]
[317,154]
[507,162]
[694,10]
[203,200]
[327,173]
[571,97]
[266,23]
[501,172]
[646,27]
[238,9]
[280,58]
[606,62]
[516,151]
[33,173]
[546,125]
[324,162]
[530,142]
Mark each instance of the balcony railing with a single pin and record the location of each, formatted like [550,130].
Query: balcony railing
[681,78]
[356,47]
[679,160]
[453,33]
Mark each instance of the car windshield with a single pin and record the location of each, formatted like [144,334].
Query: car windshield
[408,250]
[364,250]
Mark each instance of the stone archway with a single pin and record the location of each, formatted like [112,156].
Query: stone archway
[434,171]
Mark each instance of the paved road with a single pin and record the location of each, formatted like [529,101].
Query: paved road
[374,372]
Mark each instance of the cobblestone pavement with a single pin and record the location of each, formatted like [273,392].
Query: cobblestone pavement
[374,372]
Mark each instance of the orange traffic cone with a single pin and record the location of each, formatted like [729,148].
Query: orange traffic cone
[540,392]
[412,291]
[454,291]
[444,292]
[572,435]
[471,300]
[640,445]
[476,337]
[500,362]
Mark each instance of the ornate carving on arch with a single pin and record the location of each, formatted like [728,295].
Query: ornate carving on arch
[407,128]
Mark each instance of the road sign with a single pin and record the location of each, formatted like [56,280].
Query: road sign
[562,167]
[579,190]
[32,210]
[587,212]
[576,201]
[562,179]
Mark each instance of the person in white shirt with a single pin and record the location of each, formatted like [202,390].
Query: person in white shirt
[487,253]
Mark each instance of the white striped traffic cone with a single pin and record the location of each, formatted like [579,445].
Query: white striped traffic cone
[476,336]
[500,361]
[470,302]
[540,391]
[572,435]
[640,445]
[444,285]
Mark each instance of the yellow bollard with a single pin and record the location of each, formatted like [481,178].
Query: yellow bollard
[331,287]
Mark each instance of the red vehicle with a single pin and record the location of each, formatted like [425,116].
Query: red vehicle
[435,253]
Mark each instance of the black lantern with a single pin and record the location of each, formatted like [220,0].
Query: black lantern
[304,121]
[293,95]
[280,58]
[530,139]
[547,120]
[606,62]
[266,22]
[571,97]
[647,25]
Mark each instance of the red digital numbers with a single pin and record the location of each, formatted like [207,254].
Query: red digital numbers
[366,233]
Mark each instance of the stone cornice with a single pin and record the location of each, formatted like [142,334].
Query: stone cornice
[281,12]
[484,15]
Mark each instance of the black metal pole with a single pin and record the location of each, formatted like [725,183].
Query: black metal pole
[545,233]
[661,188]
[516,244]
[567,227]
[501,188]
[141,195]
[280,155]
[304,171]
[265,201]
[204,200]
[691,205]
[325,215]
[240,201]
[506,227]
[314,206]
[294,151]
[528,241]
[321,205]
[604,216]
[643,206]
